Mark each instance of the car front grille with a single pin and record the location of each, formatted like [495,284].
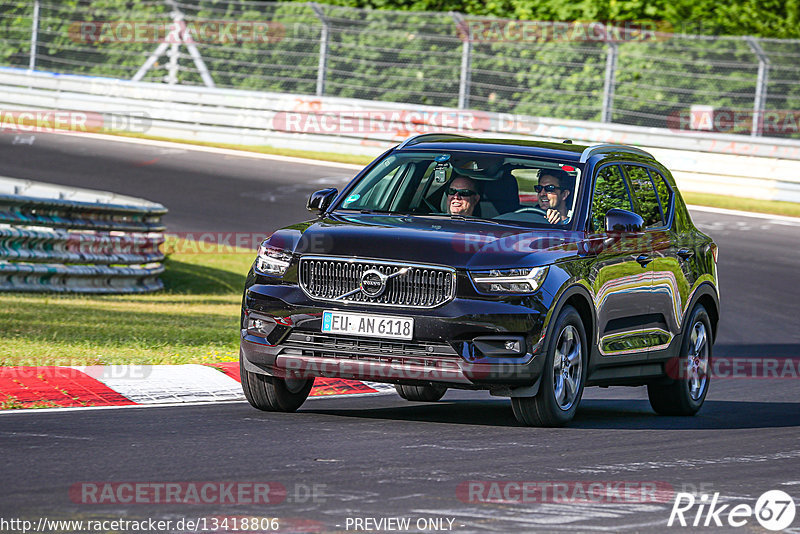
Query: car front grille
[420,286]
[430,355]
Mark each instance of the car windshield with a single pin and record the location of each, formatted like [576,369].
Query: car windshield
[504,188]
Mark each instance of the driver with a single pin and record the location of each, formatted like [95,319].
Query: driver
[462,196]
[554,188]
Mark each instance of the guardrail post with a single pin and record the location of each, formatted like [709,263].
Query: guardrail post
[466,60]
[323,48]
[610,80]
[759,102]
[34,35]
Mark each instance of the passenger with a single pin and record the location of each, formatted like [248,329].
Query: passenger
[462,196]
[555,187]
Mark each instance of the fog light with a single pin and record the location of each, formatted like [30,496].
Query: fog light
[258,325]
[504,346]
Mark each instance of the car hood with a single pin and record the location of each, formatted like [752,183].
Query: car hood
[429,240]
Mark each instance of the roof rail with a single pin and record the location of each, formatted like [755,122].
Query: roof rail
[612,147]
[430,137]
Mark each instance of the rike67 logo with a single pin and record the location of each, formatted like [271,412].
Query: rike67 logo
[774,510]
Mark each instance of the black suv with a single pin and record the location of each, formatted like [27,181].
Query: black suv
[527,269]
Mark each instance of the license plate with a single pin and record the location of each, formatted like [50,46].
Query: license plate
[359,324]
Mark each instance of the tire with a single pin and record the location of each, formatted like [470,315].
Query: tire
[689,371]
[273,394]
[563,377]
[431,393]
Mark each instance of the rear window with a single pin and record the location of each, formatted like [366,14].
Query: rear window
[610,192]
[647,204]
[665,194]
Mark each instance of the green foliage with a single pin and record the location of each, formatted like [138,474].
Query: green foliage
[763,18]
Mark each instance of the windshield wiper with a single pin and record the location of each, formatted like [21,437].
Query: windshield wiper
[470,218]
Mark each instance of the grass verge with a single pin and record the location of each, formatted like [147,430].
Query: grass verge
[195,320]
[772,207]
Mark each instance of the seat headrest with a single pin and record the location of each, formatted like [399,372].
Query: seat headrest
[502,194]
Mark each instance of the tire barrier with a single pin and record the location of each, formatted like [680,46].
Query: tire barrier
[67,240]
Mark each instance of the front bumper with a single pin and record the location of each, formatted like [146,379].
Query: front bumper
[459,344]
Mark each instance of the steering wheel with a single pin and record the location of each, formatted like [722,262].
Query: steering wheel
[531,209]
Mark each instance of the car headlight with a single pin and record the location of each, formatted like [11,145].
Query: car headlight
[272,260]
[525,280]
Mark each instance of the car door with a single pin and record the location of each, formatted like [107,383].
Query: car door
[620,274]
[674,271]
[658,327]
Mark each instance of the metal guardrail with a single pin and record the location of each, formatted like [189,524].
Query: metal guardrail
[68,240]
[765,168]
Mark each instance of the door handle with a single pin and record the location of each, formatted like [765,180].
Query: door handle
[644,259]
[685,253]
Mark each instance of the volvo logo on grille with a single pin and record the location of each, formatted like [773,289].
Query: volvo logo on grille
[373,283]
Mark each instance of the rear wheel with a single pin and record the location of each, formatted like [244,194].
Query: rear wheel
[563,377]
[686,394]
[273,394]
[431,393]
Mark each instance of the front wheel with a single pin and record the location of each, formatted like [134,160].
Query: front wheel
[273,394]
[431,393]
[687,392]
[563,377]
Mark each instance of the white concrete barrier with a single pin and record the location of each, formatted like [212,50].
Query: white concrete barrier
[754,167]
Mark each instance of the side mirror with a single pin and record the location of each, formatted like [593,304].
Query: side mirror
[618,220]
[319,201]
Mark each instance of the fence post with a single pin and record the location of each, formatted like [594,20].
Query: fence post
[172,64]
[610,80]
[185,38]
[760,99]
[34,35]
[466,60]
[323,48]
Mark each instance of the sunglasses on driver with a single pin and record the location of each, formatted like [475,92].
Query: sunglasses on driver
[460,192]
[549,188]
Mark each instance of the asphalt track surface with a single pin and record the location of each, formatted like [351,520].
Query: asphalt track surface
[380,456]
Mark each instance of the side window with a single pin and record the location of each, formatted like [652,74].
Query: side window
[664,194]
[609,192]
[646,199]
